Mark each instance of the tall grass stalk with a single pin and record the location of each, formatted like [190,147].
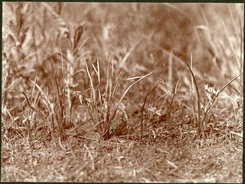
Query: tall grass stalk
[142,111]
[31,112]
[198,123]
[60,102]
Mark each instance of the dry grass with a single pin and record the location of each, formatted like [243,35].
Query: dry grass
[144,92]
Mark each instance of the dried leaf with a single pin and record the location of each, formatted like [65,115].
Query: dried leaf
[78,35]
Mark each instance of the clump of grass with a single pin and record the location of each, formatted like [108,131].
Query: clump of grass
[212,97]
[219,56]
[102,83]
[16,69]
[103,107]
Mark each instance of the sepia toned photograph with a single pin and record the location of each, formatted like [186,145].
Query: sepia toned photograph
[122,92]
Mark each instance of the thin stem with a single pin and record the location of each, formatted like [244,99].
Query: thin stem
[199,124]
[142,110]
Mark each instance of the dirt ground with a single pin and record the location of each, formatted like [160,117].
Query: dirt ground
[160,156]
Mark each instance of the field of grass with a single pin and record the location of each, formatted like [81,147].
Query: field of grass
[122,92]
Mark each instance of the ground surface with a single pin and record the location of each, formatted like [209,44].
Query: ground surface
[163,157]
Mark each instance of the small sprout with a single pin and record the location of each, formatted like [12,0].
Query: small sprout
[155,111]
[211,93]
